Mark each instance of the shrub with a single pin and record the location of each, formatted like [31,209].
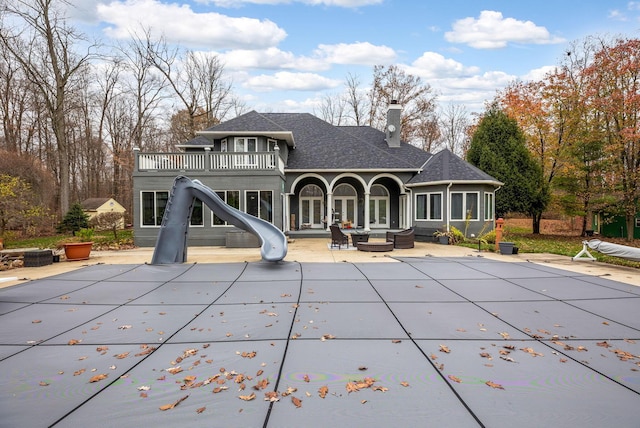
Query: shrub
[74,220]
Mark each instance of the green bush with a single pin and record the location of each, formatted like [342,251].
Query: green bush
[489,237]
[456,236]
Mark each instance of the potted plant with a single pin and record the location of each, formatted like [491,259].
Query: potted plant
[79,247]
[443,237]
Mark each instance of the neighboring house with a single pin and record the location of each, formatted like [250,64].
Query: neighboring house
[94,206]
[615,226]
[302,174]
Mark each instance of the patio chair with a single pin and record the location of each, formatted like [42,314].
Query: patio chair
[337,237]
[403,239]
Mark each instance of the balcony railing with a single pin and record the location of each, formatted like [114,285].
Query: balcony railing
[208,161]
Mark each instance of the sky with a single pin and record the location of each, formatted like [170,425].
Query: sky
[287,55]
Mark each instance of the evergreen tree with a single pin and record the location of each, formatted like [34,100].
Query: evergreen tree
[74,220]
[498,147]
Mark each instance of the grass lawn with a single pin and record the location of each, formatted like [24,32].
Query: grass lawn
[561,244]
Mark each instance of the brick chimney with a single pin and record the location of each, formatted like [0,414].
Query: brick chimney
[393,124]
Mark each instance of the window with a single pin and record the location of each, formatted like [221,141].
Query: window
[259,203]
[153,206]
[223,145]
[232,198]
[197,214]
[488,206]
[429,206]
[271,145]
[246,144]
[464,205]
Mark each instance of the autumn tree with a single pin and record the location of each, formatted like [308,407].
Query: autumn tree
[19,207]
[614,92]
[498,148]
[453,122]
[44,45]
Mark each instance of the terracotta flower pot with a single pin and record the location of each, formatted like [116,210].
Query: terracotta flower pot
[77,250]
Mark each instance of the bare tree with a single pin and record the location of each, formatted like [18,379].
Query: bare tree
[416,98]
[356,99]
[332,109]
[44,47]
[196,79]
[454,121]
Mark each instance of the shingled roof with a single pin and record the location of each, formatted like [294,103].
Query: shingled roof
[322,146]
[445,166]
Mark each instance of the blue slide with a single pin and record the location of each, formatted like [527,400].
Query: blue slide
[171,245]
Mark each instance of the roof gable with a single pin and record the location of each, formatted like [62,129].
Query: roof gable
[93,204]
[445,166]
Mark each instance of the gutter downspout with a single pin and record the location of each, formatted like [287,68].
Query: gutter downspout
[449,205]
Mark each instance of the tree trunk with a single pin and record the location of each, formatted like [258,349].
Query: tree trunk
[630,220]
[536,219]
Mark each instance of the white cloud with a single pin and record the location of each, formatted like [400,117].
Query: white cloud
[539,73]
[432,65]
[359,53]
[270,59]
[616,15]
[287,81]
[180,24]
[491,30]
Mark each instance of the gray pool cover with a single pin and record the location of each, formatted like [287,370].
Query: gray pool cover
[460,342]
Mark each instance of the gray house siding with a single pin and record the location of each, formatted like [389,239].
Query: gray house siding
[207,234]
[465,193]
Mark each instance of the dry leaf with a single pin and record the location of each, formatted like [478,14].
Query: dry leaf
[396,341]
[124,327]
[404,383]
[531,352]
[200,410]
[379,388]
[262,384]
[98,378]
[603,344]
[247,397]
[505,335]
[323,391]
[296,401]
[43,383]
[219,388]
[327,337]
[486,355]
[493,385]
[36,321]
[271,396]
[79,372]
[455,378]
[74,342]
[172,405]
[248,354]
[306,378]
[444,349]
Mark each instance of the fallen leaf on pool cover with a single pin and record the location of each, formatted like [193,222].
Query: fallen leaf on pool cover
[296,401]
[531,352]
[173,370]
[493,385]
[323,391]
[405,384]
[603,344]
[262,384]
[36,321]
[79,372]
[43,383]
[74,342]
[306,378]
[444,349]
[248,354]
[486,355]
[271,396]
[455,378]
[172,405]
[200,410]
[98,378]
[121,356]
[505,335]
[247,397]
[327,337]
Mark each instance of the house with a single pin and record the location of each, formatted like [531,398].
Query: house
[94,206]
[303,174]
[614,226]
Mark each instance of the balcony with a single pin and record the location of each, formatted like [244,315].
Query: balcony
[176,162]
